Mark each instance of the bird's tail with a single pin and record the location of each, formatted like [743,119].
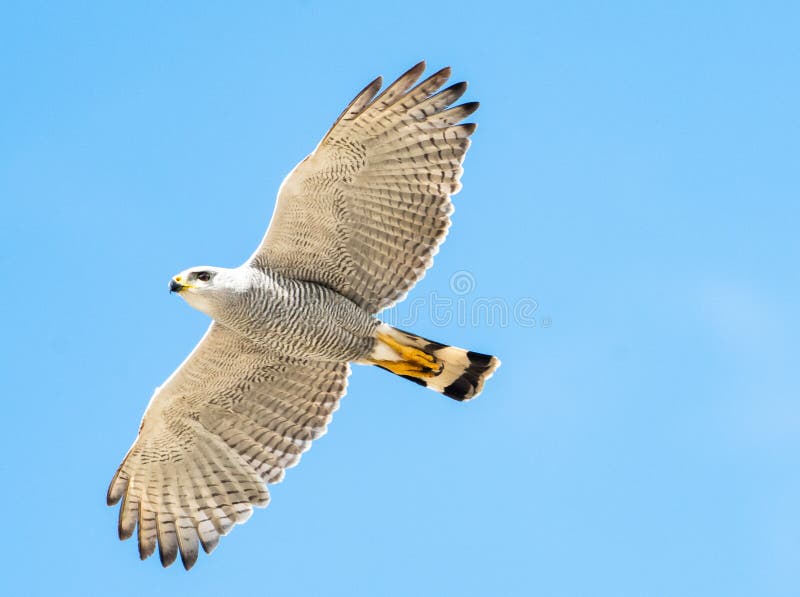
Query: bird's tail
[454,372]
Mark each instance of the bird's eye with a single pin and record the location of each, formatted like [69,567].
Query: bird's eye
[204,276]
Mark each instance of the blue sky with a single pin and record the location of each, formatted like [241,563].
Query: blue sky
[633,181]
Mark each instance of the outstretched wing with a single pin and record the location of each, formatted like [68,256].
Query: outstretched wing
[365,213]
[229,420]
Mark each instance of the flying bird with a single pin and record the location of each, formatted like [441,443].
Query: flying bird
[355,226]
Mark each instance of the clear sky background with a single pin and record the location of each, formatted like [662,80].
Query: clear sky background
[633,184]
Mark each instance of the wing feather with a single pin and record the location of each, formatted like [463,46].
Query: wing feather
[365,213]
[230,419]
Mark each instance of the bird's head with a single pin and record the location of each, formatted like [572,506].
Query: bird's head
[206,287]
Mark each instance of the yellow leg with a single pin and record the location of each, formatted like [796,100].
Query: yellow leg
[403,368]
[414,361]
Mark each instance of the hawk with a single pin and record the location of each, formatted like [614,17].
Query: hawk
[355,226]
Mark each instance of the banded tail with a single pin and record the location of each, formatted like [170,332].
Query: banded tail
[454,372]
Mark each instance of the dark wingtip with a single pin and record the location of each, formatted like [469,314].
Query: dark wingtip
[460,88]
[373,87]
[124,534]
[447,71]
[419,67]
[146,549]
[442,73]
[210,544]
[167,554]
[469,108]
[189,560]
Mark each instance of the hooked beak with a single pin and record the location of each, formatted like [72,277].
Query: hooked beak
[175,286]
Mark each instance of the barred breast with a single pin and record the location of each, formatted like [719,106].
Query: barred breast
[301,319]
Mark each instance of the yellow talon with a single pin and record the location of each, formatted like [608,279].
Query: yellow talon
[404,368]
[414,362]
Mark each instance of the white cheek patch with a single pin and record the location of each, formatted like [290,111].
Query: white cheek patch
[197,300]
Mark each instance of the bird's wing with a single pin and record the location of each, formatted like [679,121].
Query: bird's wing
[225,423]
[365,213]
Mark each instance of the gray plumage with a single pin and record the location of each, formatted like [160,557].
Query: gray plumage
[355,226]
[365,213]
